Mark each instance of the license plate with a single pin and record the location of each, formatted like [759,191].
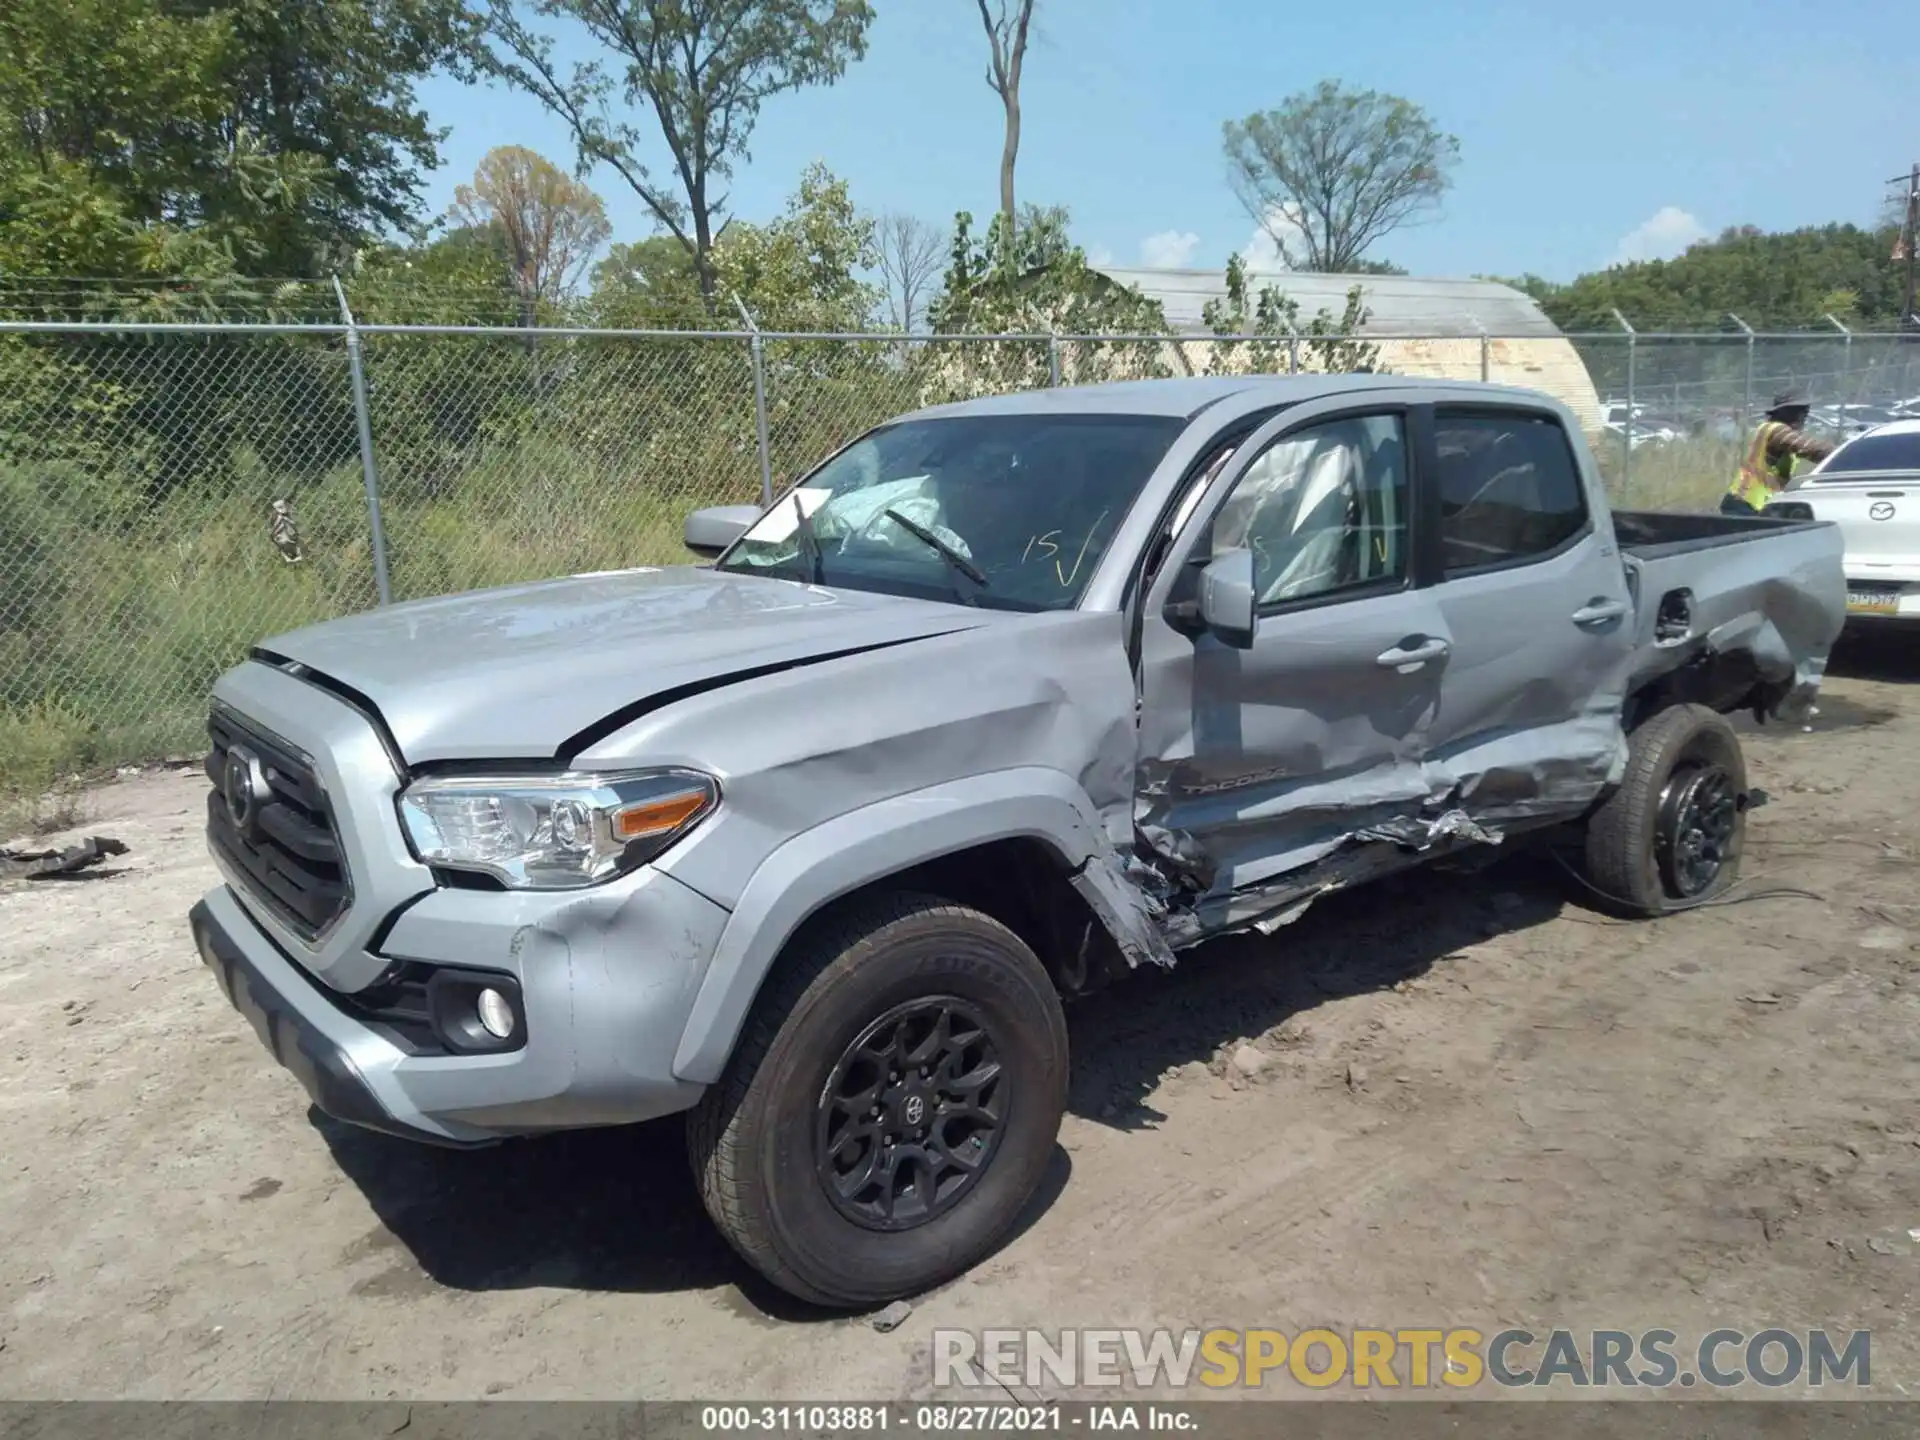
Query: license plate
[1873,602]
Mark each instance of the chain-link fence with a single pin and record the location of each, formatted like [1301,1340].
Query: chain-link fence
[171,493]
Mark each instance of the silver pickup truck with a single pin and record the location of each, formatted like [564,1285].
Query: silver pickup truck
[998,702]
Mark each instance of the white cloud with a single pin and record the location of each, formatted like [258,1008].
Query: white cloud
[1169,250]
[1261,253]
[1661,236]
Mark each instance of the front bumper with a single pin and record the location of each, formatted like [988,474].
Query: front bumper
[605,981]
[319,1061]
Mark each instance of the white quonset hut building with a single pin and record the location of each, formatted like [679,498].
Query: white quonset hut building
[1430,328]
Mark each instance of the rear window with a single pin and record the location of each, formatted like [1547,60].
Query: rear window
[1897,451]
[1509,489]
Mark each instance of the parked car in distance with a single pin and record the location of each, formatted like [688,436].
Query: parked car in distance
[1002,700]
[1870,488]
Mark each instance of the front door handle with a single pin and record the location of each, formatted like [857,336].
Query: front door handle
[1405,656]
[1599,612]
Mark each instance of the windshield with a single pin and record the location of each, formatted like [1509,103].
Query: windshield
[1009,511]
[1896,450]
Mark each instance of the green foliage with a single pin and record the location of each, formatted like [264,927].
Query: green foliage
[1326,342]
[331,83]
[1780,281]
[701,70]
[648,284]
[200,138]
[462,276]
[1332,171]
[1033,279]
[802,271]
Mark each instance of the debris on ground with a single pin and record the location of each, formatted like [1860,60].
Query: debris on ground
[37,864]
[1883,937]
[1249,1061]
[893,1317]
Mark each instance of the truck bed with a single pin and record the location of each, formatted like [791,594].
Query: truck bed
[1658,534]
[1707,585]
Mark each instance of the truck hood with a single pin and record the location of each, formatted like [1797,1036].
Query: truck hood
[542,670]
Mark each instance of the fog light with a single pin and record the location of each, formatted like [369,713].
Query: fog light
[496,1015]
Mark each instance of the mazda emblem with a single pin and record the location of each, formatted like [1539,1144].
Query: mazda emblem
[1882,510]
[243,787]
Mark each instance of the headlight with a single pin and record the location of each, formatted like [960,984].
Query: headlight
[555,832]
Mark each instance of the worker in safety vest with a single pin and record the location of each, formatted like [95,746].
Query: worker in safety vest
[1767,465]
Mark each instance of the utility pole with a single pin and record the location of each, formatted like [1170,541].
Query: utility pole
[1909,243]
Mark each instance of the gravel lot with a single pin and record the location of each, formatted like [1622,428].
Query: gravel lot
[1473,1103]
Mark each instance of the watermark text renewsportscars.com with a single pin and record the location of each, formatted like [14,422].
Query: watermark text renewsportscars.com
[1414,1358]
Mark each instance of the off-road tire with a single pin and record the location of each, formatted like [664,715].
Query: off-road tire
[1623,840]
[752,1139]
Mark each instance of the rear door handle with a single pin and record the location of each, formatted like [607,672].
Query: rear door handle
[1401,656]
[1599,612]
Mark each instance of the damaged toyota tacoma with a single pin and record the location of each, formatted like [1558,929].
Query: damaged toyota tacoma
[1001,700]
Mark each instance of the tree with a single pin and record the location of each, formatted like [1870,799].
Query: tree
[1033,279]
[1784,281]
[551,223]
[802,270]
[703,68]
[647,284]
[1332,344]
[333,81]
[799,271]
[102,165]
[1007,41]
[461,276]
[1333,171]
[910,252]
[207,137]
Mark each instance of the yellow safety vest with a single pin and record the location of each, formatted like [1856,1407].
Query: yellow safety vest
[1760,479]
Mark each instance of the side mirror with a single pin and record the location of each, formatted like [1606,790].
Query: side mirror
[712,530]
[1227,605]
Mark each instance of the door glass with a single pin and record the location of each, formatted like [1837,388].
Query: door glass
[1509,489]
[1323,510]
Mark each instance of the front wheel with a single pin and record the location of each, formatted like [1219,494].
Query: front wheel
[1671,835]
[891,1105]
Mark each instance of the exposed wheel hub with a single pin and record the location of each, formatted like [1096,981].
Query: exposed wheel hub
[1693,840]
[910,1115]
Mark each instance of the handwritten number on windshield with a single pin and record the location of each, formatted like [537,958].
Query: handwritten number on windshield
[1047,544]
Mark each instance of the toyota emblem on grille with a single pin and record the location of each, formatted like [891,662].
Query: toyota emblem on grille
[243,787]
[1882,510]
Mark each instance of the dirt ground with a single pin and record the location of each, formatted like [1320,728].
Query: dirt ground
[1474,1103]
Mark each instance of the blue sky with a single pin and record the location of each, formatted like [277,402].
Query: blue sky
[1587,135]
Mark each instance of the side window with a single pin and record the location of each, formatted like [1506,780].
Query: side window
[1323,510]
[1509,489]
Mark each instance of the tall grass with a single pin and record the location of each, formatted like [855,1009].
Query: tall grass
[110,646]
[1680,475]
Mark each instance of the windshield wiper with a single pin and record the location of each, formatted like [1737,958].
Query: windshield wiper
[955,560]
[810,543]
